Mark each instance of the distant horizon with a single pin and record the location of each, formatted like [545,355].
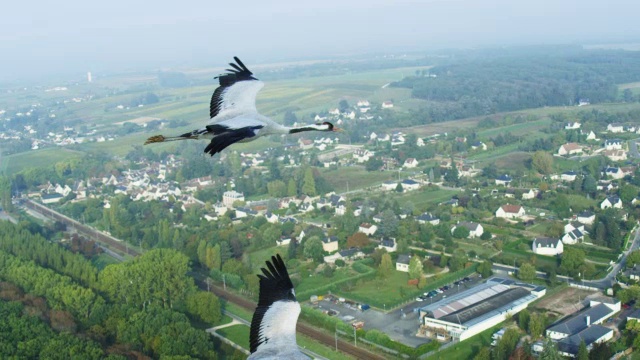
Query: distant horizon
[185,64]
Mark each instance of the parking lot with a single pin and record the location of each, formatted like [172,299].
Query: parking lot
[400,324]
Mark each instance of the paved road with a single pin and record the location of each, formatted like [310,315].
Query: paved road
[633,148]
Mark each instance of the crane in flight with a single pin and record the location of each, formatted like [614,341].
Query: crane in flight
[273,326]
[233,113]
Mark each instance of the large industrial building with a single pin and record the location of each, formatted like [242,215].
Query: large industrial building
[462,315]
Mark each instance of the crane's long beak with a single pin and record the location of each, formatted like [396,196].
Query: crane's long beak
[337,129]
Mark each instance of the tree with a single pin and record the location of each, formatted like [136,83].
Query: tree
[373,164]
[386,266]
[204,305]
[358,240]
[309,183]
[313,249]
[290,118]
[415,267]
[506,345]
[633,258]
[461,232]
[536,325]
[277,188]
[583,352]
[399,188]
[458,260]
[486,235]
[523,319]
[627,193]
[560,205]
[213,260]
[292,189]
[572,261]
[485,269]
[550,351]
[389,224]
[527,272]
[452,176]
[542,162]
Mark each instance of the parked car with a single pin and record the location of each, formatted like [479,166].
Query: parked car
[418,299]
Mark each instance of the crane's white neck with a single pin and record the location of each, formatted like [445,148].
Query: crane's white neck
[315,127]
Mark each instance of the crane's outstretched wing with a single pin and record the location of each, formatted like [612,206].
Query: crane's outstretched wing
[274,322]
[236,94]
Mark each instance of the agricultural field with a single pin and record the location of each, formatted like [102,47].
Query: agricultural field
[239,334]
[426,196]
[355,177]
[13,163]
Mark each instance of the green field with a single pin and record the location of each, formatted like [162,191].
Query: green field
[355,178]
[467,349]
[424,197]
[239,334]
[528,128]
[36,159]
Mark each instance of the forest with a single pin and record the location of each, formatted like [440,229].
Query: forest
[486,82]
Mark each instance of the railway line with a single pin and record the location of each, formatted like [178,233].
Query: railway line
[326,339]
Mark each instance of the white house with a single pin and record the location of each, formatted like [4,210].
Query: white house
[51,198]
[615,128]
[591,136]
[475,229]
[410,163]
[229,197]
[528,195]
[570,149]
[547,246]
[573,237]
[362,155]
[586,217]
[330,244]
[284,240]
[611,201]
[402,264]
[568,176]
[428,218]
[478,145]
[573,125]
[389,185]
[368,229]
[420,142]
[510,211]
[504,180]
[408,185]
[614,172]
[388,244]
[387,105]
[613,144]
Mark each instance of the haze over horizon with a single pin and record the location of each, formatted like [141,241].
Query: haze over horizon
[41,39]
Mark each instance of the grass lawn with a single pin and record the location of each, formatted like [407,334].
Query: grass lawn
[526,128]
[426,196]
[259,257]
[494,153]
[322,350]
[239,334]
[580,202]
[237,310]
[468,348]
[382,292]
[102,260]
[354,177]
[317,280]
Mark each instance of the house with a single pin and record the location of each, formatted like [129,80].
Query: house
[586,217]
[389,185]
[368,229]
[510,211]
[572,125]
[573,225]
[573,237]
[420,142]
[615,128]
[229,197]
[504,180]
[387,105]
[51,198]
[547,246]
[410,163]
[591,135]
[388,244]
[305,144]
[475,229]
[428,218]
[351,254]
[613,144]
[284,240]
[568,176]
[330,244]
[408,185]
[362,155]
[402,264]
[616,155]
[605,185]
[611,202]
[614,172]
[362,103]
[478,145]
[583,102]
[570,149]
[528,195]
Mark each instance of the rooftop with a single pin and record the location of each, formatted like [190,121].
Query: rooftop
[577,322]
[571,344]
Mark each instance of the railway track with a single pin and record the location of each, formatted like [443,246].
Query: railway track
[304,329]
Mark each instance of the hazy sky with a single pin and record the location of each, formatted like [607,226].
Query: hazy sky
[38,38]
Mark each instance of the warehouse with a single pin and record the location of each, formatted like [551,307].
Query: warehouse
[470,312]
